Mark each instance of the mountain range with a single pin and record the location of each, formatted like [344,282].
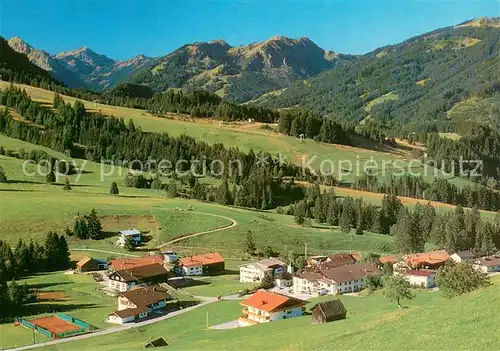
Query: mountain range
[240,73]
[428,82]
[83,68]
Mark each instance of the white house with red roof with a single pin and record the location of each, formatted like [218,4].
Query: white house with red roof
[200,264]
[424,278]
[265,306]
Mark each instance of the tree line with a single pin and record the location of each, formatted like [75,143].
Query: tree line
[439,189]
[27,258]
[411,229]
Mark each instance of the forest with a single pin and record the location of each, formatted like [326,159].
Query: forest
[427,75]
[439,189]
[411,229]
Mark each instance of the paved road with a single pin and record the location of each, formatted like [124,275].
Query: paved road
[117,329]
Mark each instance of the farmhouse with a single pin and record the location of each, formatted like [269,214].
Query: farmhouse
[169,256]
[126,279]
[265,306]
[461,256]
[139,302]
[488,264]
[255,271]
[200,264]
[88,264]
[430,260]
[134,262]
[328,311]
[333,280]
[334,260]
[134,234]
[423,278]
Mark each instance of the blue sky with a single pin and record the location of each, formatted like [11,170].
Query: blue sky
[122,29]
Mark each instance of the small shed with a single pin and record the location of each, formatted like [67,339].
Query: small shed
[328,311]
[160,342]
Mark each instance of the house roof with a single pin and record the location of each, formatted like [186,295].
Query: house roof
[489,261]
[160,342]
[465,254]
[427,258]
[269,302]
[266,264]
[133,262]
[129,312]
[147,295]
[142,272]
[330,308]
[352,272]
[340,259]
[128,232]
[309,276]
[84,261]
[420,272]
[202,260]
[390,259]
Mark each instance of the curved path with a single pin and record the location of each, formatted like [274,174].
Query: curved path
[187,236]
[176,240]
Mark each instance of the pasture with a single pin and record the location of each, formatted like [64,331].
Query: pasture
[75,295]
[465,322]
[347,161]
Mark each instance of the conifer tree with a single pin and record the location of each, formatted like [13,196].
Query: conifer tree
[67,185]
[114,189]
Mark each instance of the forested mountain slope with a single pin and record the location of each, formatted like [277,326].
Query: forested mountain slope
[83,68]
[240,73]
[16,67]
[417,83]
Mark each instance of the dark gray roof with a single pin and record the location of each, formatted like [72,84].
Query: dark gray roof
[330,308]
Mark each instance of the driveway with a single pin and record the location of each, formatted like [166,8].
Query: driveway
[227,325]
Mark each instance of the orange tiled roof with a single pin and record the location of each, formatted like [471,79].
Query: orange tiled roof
[269,302]
[130,263]
[199,260]
[83,261]
[427,258]
[391,259]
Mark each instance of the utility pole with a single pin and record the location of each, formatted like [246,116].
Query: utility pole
[305,251]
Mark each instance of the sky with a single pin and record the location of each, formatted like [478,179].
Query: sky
[121,29]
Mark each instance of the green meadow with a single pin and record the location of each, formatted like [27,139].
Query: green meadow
[347,162]
[428,322]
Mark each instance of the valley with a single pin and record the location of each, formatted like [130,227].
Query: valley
[273,195]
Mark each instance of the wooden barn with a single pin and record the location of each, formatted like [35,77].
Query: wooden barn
[328,311]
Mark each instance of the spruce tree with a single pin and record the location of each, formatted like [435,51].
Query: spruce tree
[129,244]
[50,177]
[94,226]
[67,186]
[114,189]
[172,189]
[250,244]
[3,176]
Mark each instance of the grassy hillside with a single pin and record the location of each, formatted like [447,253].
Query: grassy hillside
[429,74]
[429,322]
[345,159]
[51,208]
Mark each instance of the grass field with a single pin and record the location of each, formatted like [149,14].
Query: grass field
[430,322]
[76,296]
[246,137]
